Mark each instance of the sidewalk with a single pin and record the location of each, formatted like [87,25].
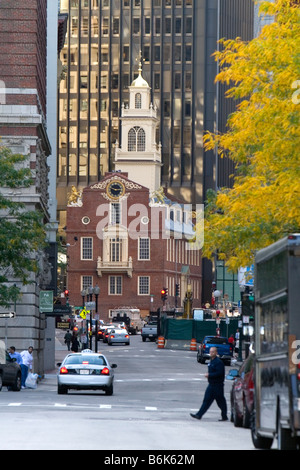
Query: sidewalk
[61,351]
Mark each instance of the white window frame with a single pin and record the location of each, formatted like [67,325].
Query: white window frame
[143,285]
[115,285]
[144,249]
[89,249]
[115,213]
[86,282]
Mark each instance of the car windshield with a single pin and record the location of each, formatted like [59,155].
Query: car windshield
[86,359]
[119,332]
[216,341]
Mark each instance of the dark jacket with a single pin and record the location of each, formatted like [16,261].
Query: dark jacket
[216,371]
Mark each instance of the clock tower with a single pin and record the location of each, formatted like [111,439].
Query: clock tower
[139,155]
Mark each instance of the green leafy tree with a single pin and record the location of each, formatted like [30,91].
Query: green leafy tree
[22,232]
[263,139]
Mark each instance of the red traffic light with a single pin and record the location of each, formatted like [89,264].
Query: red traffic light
[66,293]
[164,293]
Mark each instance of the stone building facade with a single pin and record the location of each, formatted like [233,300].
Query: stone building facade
[23,58]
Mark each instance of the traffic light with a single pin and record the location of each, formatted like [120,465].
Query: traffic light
[66,293]
[177,290]
[164,293]
[248,305]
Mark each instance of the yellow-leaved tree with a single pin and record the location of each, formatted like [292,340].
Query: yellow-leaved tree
[263,140]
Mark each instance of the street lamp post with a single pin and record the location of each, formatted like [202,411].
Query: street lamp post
[90,290]
[83,294]
[96,292]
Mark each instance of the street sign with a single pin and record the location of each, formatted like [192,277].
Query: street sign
[8,315]
[90,305]
[46,301]
[83,314]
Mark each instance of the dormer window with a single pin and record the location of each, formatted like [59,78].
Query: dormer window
[138,101]
[136,139]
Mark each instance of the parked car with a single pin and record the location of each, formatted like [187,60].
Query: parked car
[242,393]
[119,335]
[225,349]
[85,371]
[10,372]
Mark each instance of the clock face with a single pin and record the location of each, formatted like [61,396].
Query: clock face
[115,189]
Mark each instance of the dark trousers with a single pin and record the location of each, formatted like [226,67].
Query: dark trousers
[214,392]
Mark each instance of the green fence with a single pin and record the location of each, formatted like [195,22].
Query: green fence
[179,329]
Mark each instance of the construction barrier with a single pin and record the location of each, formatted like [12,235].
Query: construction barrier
[161,342]
[193,346]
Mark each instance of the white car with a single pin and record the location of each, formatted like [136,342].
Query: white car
[85,371]
[118,335]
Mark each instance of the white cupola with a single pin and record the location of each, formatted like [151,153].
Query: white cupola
[139,155]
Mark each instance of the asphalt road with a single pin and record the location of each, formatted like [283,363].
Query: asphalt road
[154,393]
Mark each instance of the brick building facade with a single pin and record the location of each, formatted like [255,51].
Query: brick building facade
[128,245]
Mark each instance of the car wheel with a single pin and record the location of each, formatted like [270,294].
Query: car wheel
[62,390]
[17,385]
[109,390]
[246,416]
[144,339]
[1,383]
[237,421]
[285,441]
[259,442]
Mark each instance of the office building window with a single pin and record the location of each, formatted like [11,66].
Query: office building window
[147,25]
[136,26]
[157,53]
[157,81]
[188,53]
[168,25]
[116,26]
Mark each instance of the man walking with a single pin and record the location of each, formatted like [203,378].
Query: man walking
[215,389]
[68,339]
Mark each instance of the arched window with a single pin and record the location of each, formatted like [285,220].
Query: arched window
[136,139]
[138,101]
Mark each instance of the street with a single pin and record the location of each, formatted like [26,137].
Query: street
[155,391]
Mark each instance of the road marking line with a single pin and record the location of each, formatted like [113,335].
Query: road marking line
[14,404]
[150,408]
[105,406]
[62,405]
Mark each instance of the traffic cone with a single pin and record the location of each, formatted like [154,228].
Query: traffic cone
[193,346]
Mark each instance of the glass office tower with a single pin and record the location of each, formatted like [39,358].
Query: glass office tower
[175,40]
[105,42]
